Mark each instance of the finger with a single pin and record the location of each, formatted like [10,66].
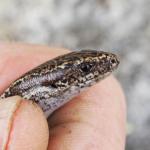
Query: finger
[94,120]
[22,125]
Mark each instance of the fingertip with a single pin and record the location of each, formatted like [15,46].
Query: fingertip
[100,112]
[22,125]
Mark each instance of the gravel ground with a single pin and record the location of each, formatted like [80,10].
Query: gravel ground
[122,26]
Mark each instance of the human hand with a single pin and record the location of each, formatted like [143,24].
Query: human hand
[94,120]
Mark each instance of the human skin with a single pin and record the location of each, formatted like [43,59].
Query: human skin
[94,120]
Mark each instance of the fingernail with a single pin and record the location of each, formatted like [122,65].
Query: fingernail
[22,125]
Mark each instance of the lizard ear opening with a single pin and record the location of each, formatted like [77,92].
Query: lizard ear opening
[49,84]
[53,85]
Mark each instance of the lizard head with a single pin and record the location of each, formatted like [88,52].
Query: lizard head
[88,66]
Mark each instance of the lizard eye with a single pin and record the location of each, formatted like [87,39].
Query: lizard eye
[86,67]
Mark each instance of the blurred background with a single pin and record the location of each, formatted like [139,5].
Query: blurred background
[121,26]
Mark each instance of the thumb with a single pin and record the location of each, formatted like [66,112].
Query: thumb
[22,125]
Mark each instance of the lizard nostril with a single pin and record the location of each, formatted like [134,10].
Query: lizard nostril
[113,61]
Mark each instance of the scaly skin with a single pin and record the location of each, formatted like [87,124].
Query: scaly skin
[57,81]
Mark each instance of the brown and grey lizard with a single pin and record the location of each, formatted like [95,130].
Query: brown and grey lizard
[57,81]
